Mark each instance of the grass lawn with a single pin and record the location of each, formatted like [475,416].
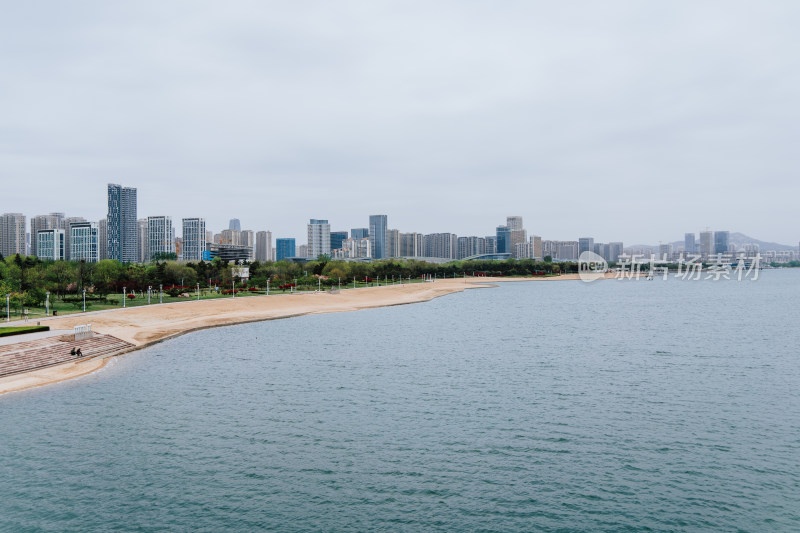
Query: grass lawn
[19,330]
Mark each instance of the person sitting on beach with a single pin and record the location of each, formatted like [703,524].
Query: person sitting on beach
[78,353]
[73,352]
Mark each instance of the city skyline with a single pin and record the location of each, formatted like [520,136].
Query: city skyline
[263,113]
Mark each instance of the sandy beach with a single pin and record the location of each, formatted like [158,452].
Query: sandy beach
[142,326]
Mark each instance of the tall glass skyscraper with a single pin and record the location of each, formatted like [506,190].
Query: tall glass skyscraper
[503,234]
[194,238]
[121,224]
[284,248]
[377,236]
[721,239]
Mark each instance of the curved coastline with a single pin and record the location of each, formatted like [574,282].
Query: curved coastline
[145,326]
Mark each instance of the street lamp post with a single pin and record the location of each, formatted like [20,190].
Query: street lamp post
[267,286]
[233,286]
[160,293]
[198,290]
[84,300]
[124,296]
[47,303]
[8,308]
[294,287]
[319,284]
[340,283]
[149,292]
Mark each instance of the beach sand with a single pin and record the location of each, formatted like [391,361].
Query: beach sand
[142,326]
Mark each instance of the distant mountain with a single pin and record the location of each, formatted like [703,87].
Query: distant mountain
[739,239]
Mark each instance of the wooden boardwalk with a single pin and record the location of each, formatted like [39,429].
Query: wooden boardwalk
[31,355]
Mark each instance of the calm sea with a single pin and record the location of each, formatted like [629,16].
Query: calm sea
[549,406]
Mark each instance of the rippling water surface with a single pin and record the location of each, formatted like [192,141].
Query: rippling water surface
[616,405]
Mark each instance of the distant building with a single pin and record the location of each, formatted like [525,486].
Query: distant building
[248,238]
[721,239]
[665,252]
[50,244]
[193,231]
[142,254]
[302,251]
[410,244]
[706,243]
[359,233]
[284,248]
[231,236]
[514,223]
[536,242]
[66,225]
[264,246]
[689,244]
[319,238]
[354,249]
[121,223]
[441,245]
[83,242]
[13,239]
[490,244]
[392,243]
[503,235]
[614,251]
[585,244]
[160,239]
[102,239]
[40,222]
[337,238]
[235,225]
[377,235]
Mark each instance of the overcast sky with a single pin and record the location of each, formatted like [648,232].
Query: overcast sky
[633,121]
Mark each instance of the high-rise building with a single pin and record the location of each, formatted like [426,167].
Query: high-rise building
[503,240]
[377,236]
[66,225]
[194,238]
[264,246]
[721,239]
[13,239]
[284,248]
[514,223]
[40,222]
[410,244]
[121,224]
[160,238]
[230,236]
[83,242]
[518,236]
[536,242]
[585,244]
[490,246]
[142,241]
[523,250]
[689,243]
[614,251]
[50,244]
[706,243]
[319,238]
[664,252]
[248,238]
[102,238]
[359,233]
[302,251]
[392,243]
[235,224]
[440,245]
[337,237]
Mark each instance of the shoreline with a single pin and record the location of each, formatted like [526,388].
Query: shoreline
[145,326]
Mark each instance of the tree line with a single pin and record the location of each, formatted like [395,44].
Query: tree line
[28,278]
